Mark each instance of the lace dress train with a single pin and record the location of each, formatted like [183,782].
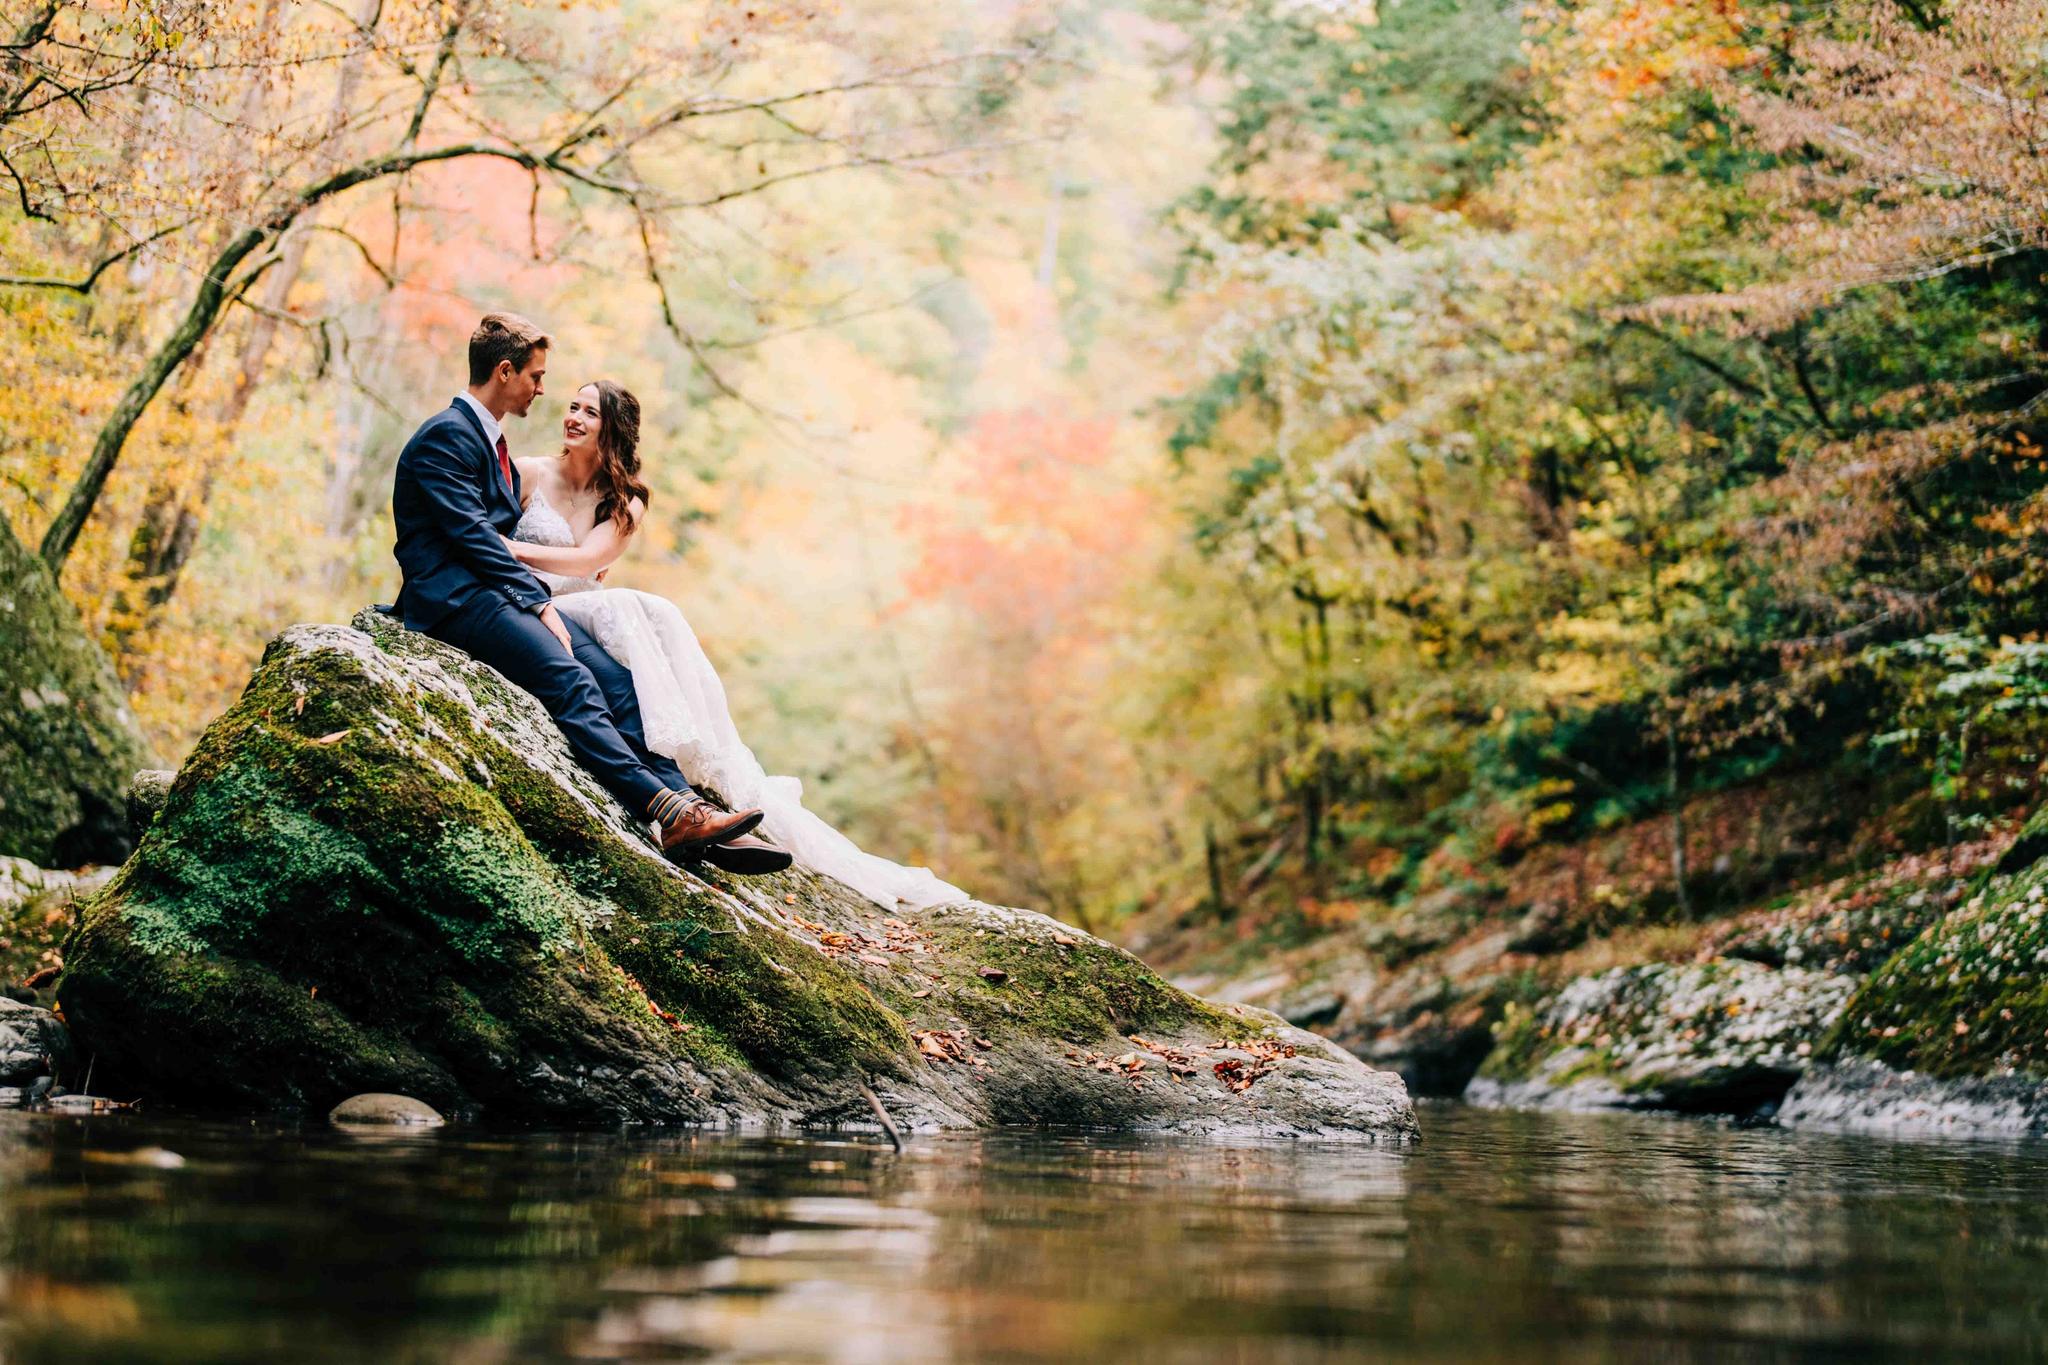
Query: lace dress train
[683,710]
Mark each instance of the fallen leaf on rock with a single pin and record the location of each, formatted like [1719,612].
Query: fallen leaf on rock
[334,738]
[1063,940]
[873,959]
[995,976]
[945,1045]
[919,995]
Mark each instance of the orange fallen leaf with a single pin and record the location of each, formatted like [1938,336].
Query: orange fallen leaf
[334,738]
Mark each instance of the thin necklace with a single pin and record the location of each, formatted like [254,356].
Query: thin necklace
[575,497]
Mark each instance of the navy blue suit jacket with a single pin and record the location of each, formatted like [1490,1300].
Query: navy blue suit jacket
[449,506]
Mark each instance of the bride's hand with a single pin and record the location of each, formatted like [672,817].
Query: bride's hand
[511,547]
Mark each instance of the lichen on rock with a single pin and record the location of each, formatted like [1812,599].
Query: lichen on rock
[381,870]
[1725,1036]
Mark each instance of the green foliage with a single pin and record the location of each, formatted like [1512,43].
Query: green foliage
[1565,484]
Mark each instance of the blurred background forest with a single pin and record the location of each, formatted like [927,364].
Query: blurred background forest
[1243,477]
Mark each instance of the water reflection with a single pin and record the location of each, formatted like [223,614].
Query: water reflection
[1506,1237]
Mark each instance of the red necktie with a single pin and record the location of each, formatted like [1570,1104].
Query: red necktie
[505,462]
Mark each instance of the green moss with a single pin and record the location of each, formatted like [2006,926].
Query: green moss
[1082,993]
[1969,996]
[70,743]
[1520,1040]
[354,883]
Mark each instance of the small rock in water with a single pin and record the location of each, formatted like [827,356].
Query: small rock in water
[157,1158]
[376,1108]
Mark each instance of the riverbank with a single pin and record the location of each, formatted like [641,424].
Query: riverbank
[1828,980]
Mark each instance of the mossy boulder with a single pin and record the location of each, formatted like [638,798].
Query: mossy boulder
[69,742]
[381,870]
[1950,1036]
[1718,1037]
[1968,997]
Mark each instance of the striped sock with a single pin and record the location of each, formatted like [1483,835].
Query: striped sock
[664,808]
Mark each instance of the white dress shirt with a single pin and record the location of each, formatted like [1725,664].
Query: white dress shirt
[493,432]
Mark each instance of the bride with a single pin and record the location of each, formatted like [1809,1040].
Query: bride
[581,509]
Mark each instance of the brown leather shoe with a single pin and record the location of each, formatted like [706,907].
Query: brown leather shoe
[747,856]
[700,823]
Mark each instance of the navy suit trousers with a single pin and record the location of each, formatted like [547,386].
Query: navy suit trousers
[588,692]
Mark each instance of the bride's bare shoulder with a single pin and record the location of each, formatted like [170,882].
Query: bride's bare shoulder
[535,471]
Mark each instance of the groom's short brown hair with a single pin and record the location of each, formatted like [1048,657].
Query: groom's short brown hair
[502,336]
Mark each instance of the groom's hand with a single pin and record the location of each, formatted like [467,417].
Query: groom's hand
[552,619]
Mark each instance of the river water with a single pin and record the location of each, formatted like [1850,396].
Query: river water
[1503,1237]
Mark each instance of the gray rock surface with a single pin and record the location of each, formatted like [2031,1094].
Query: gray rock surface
[381,1109]
[1857,1096]
[1722,1037]
[33,1043]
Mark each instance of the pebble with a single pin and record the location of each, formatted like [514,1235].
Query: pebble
[380,1108]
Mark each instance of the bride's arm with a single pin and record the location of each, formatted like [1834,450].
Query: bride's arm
[598,551]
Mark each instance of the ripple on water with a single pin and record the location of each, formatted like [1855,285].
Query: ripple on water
[1505,1236]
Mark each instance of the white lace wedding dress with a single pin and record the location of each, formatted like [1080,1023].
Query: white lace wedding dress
[683,710]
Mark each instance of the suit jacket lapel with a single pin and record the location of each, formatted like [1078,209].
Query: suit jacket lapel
[492,481]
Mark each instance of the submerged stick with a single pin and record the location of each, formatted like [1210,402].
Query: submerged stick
[888,1124]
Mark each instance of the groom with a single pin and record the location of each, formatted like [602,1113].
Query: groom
[456,495]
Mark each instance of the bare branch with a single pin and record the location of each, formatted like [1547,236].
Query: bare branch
[92,277]
[431,85]
[362,249]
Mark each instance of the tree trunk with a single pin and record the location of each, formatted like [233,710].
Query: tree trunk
[1677,799]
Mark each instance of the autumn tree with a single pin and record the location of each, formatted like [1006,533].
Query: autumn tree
[210,142]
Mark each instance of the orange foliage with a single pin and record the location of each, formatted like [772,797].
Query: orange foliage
[1046,529]
[1032,557]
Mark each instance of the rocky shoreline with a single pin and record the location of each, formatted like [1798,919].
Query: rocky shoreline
[1907,998]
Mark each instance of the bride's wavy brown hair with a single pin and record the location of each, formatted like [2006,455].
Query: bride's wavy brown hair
[617,478]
